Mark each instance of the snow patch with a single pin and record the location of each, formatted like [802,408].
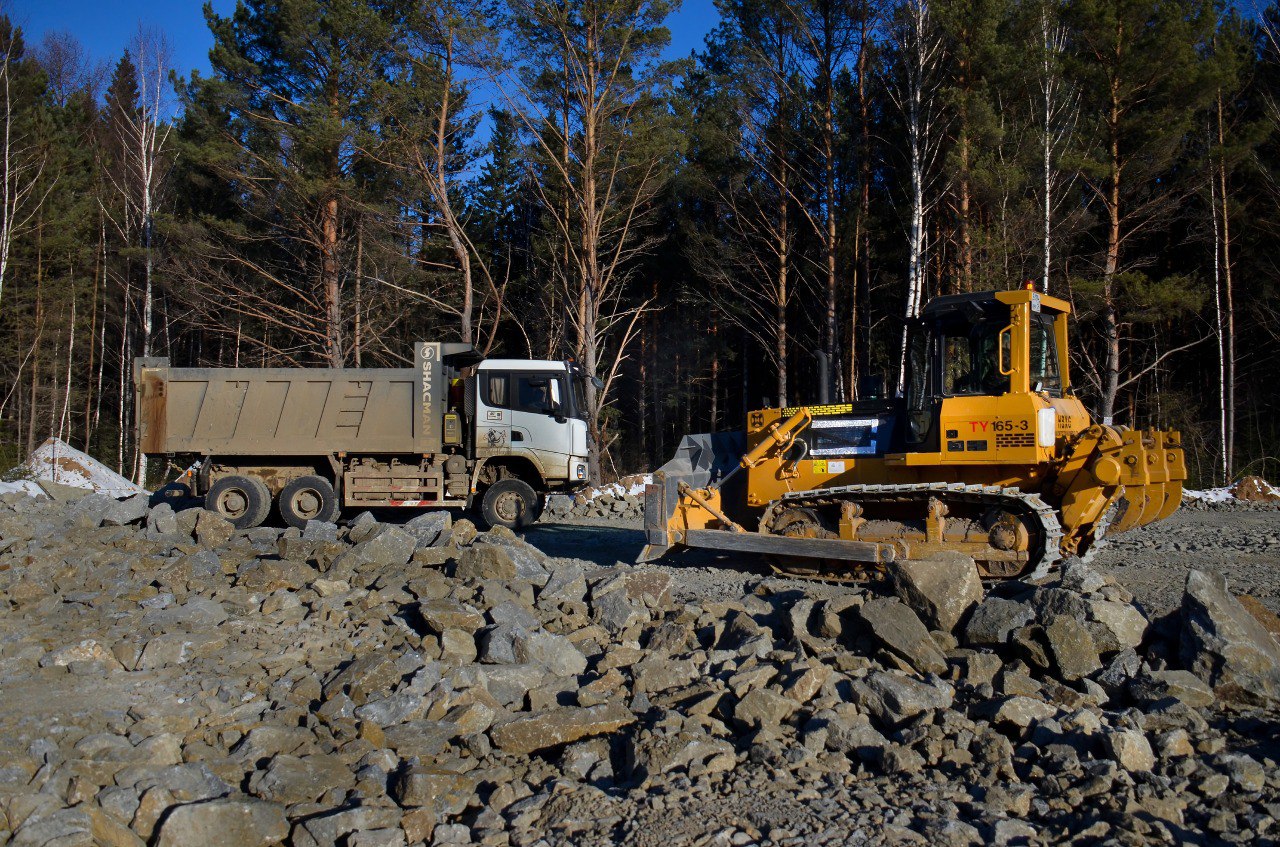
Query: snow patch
[59,462]
[1209,495]
[1251,488]
[22,486]
[627,486]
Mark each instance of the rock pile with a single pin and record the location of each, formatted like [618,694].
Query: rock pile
[168,680]
[610,505]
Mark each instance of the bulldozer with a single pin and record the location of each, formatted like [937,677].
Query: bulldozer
[985,450]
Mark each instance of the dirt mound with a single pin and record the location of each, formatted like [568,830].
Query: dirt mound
[1255,489]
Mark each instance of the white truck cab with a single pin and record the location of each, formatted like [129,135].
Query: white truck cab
[528,410]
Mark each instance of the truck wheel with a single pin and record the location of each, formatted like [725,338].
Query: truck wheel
[243,500]
[511,503]
[308,498]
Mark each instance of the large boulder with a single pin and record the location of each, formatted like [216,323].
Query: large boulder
[898,629]
[1225,645]
[942,589]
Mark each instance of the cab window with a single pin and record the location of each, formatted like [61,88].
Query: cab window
[580,398]
[1045,374]
[538,393]
[971,359]
[495,390]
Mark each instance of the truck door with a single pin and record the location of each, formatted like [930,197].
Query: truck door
[493,417]
[539,422]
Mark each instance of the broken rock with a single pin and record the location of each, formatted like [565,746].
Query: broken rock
[893,697]
[1130,749]
[896,627]
[232,821]
[1225,645]
[526,734]
[994,619]
[1072,648]
[941,589]
[442,791]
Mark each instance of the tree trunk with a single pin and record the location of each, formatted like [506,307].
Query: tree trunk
[780,305]
[1220,325]
[859,318]
[329,281]
[358,338]
[715,369]
[98,267]
[64,419]
[829,235]
[35,358]
[1110,320]
[440,190]
[1229,377]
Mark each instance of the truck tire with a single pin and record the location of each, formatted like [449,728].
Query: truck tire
[242,500]
[511,503]
[308,498]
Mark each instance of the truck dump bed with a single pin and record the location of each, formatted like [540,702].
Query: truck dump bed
[293,411]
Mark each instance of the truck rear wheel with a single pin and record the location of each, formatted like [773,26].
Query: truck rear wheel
[511,503]
[242,500]
[308,498]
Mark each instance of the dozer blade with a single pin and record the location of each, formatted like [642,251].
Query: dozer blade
[699,460]
[681,508]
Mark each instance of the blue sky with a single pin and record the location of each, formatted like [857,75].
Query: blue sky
[105,27]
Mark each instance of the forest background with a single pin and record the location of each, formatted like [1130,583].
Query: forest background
[538,179]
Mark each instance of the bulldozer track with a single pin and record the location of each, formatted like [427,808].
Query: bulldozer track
[1050,529]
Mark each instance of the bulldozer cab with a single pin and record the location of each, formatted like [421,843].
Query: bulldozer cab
[978,346]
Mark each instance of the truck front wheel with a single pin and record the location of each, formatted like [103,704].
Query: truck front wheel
[242,500]
[511,503]
[308,498]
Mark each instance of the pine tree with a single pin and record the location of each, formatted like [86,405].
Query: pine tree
[1139,65]
[296,86]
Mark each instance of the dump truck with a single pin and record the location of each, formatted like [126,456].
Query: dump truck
[454,430]
[987,451]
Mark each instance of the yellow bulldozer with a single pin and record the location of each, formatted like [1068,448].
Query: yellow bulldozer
[986,450]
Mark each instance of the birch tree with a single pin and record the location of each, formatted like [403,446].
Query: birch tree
[1056,105]
[147,146]
[914,92]
[22,161]
[444,46]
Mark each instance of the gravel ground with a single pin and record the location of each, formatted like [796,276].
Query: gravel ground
[165,680]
